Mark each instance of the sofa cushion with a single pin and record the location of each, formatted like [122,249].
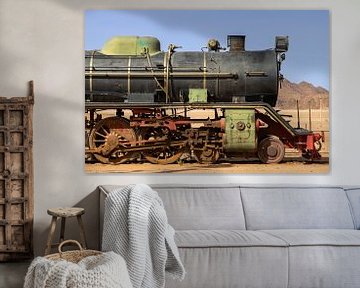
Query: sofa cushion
[296,208]
[317,237]
[226,238]
[322,258]
[223,267]
[324,266]
[204,208]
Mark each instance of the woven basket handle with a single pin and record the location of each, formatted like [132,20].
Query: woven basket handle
[69,241]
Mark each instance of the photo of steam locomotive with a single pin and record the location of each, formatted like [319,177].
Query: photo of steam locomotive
[198,106]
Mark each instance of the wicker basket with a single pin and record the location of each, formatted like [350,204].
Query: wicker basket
[72,256]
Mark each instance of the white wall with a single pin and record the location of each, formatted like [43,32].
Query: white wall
[43,40]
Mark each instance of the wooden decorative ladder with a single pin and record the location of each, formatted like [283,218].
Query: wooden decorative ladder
[16,177]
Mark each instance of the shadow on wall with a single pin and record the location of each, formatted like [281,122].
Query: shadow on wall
[9,72]
[91,219]
[91,222]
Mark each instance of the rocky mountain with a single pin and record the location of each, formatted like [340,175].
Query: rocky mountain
[306,93]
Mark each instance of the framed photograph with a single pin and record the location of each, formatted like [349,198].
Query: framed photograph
[195,91]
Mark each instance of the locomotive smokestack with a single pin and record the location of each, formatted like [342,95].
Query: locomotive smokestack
[236,43]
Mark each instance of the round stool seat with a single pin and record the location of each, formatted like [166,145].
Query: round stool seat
[66,211]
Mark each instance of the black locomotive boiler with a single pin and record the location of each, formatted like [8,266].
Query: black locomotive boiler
[171,105]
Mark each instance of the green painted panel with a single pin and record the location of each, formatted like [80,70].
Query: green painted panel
[240,130]
[197,95]
[131,45]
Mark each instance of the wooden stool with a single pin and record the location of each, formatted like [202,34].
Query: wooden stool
[64,213]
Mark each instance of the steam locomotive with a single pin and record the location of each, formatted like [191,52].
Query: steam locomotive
[172,105]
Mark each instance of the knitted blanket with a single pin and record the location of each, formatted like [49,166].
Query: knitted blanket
[136,227]
[107,270]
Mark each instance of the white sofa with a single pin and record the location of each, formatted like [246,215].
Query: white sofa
[243,236]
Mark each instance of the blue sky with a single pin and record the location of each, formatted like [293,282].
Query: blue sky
[308,31]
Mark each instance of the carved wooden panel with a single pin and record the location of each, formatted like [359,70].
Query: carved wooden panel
[16,177]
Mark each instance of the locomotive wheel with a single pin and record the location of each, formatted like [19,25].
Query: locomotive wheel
[271,150]
[207,156]
[161,155]
[107,136]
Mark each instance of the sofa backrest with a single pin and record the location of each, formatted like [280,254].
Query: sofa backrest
[296,208]
[211,207]
[202,208]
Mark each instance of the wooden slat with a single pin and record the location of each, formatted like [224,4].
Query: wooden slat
[13,201]
[8,238]
[16,176]
[9,149]
[29,208]
[13,248]
[10,222]
[13,129]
